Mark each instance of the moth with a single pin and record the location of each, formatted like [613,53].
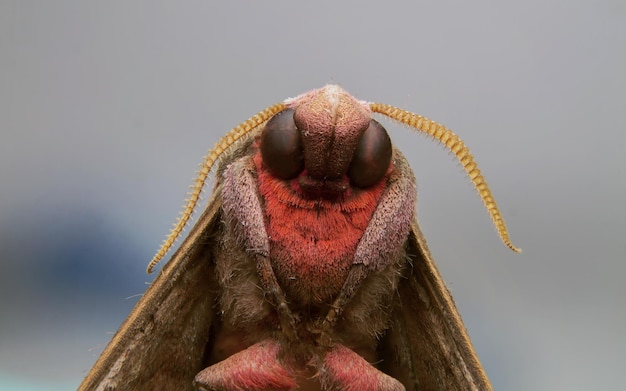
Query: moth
[306,271]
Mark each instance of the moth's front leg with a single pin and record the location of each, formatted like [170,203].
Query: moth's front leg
[244,212]
[355,277]
[248,283]
[277,297]
[383,239]
[379,256]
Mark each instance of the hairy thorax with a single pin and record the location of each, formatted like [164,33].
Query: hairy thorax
[313,239]
[311,247]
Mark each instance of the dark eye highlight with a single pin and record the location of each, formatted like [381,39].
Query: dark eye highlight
[281,146]
[372,156]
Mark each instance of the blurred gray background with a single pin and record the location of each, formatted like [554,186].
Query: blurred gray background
[107,108]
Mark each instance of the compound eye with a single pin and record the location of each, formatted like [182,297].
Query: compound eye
[372,156]
[281,146]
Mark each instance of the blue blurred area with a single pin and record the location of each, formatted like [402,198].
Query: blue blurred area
[68,250]
[67,275]
[9,382]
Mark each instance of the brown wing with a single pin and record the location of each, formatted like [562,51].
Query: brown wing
[161,345]
[427,346]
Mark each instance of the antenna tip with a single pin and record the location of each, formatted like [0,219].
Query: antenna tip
[515,249]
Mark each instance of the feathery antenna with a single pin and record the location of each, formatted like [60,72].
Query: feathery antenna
[456,146]
[209,161]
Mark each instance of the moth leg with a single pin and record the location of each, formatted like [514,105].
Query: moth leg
[383,238]
[389,226]
[356,275]
[244,212]
[277,297]
[343,369]
[255,368]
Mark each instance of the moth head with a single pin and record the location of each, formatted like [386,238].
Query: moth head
[324,151]
[326,138]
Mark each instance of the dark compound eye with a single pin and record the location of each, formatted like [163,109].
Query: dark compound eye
[372,156]
[281,146]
